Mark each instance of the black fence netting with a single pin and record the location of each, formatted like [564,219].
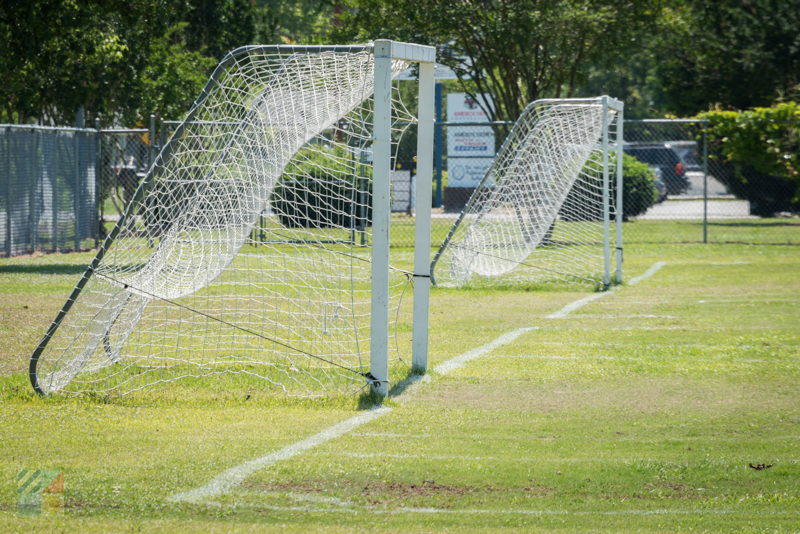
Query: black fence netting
[48,193]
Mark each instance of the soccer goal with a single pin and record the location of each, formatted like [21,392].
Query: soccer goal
[549,209]
[257,246]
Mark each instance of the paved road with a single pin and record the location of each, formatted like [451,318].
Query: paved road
[677,208]
[715,187]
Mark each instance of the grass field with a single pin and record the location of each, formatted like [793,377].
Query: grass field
[640,411]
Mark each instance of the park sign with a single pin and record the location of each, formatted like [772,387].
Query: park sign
[470,148]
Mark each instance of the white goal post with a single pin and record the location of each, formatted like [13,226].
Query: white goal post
[545,209]
[257,245]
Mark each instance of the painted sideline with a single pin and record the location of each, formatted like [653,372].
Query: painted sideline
[648,273]
[236,475]
[580,303]
[223,482]
[461,360]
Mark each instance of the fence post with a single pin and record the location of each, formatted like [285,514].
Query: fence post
[33,186]
[437,143]
[162,133]
[151,153]
[8,192]
[98,182]
[76,189]
[705,182]
[54,193]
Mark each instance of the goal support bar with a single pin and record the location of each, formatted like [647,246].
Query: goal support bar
[385,52]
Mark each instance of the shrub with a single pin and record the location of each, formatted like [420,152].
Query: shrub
[638,189]
[318,189]
[757,155]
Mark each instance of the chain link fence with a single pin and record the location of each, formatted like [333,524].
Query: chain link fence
[125,157]
[695,200]
[48,194]
[698,200]
[59,182]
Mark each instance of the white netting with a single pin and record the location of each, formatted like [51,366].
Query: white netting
[543,193]
[244,252]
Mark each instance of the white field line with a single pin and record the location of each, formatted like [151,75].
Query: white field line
[648,273]
[580,303]
[228,479]
[572,306]
[460,361]
[225,481]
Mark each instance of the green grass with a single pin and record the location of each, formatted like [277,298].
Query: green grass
[638,412]
[734,231]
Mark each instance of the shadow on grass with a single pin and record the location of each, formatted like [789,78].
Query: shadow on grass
[755,224]
[369,399]
[55,268]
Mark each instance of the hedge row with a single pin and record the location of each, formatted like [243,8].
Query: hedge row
[758,155]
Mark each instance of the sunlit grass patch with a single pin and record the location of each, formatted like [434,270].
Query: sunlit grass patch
[642,410]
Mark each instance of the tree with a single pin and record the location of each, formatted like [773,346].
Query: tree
[108,57]
[516,50]
[294,21]
[216,27]
[758,155]
[173,75]
[729,54]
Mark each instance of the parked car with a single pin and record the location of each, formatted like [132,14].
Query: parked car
[688,152]
[661,187]
[665,158]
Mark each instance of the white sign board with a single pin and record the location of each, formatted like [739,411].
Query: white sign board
[470,149]
[402,190]
[466,172]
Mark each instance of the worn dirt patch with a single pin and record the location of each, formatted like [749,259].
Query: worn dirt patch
[381,492]
[667,488]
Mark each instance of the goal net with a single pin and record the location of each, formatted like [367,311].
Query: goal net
[246,251]
[545,210]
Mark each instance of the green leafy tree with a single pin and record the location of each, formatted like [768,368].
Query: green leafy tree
[758,154]
[216,27]
[516,50]
[294,21]
[108,57]
[174,76]
[729,53]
